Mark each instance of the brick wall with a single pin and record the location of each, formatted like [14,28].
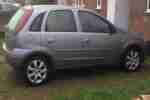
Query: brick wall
[136,16]
[147,27]
[91,4]
[104,8]
[146,24]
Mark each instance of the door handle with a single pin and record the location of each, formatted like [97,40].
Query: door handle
[50,41]
[85,40]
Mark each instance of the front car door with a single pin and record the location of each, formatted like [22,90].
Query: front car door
[103,45]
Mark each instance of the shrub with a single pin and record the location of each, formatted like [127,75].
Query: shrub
[40,2]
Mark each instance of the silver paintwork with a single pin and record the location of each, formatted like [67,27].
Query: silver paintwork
[69,49]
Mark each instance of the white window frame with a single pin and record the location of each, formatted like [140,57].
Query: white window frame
[79,3]
[148,6]
[98,4]
[75,3]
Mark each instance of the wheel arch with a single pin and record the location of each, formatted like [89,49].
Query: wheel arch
[131,46]
[47,55]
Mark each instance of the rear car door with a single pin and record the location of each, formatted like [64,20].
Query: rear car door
[102,43]
[61,36]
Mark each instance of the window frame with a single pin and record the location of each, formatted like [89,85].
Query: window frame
[78,3]
[44,13]
[98,4]
[47,15]
[110,25]
[147,6]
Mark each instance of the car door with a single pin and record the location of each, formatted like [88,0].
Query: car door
[62,37]
[101,43]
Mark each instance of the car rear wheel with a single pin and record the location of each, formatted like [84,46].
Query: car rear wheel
[37,70]
[132,59]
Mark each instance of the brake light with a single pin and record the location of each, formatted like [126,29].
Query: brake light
[24,18]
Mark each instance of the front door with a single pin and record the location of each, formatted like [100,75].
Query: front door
[102,44]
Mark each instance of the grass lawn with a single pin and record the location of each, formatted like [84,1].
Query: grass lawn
[95,84]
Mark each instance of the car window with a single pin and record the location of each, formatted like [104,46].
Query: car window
[61,21]
[1,7]
[18,21]
[90,22]
[37,23]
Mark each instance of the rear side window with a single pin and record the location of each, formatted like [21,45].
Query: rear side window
[18,21]
[37,23]
[61,21]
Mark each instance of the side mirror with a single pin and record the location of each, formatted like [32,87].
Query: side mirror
[112,29]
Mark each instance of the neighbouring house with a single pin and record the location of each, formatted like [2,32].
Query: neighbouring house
[127,14]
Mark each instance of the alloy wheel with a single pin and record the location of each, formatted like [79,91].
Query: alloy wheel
[37,71]
[132,60]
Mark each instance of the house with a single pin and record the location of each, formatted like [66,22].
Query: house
[132,15]
[147,20]
[99,6]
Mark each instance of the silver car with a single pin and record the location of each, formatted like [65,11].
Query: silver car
[43,38]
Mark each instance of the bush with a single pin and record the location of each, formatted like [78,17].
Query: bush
[101,94]
[40,2]
[2,35]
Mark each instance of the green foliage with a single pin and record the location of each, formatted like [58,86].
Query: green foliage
[147,60]
[2,35]
[101,94]
[40,1]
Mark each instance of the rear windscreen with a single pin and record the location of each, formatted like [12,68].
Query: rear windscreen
[15,19]
[19,20]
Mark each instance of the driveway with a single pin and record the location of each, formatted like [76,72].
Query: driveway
[66,82]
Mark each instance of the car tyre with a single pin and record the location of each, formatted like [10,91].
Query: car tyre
[132,59]
[37,70]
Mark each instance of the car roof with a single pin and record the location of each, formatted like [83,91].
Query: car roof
[56,7]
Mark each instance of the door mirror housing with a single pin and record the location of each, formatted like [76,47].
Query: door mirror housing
[112,29]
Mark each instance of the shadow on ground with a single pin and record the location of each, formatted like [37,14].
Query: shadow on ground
[85,76]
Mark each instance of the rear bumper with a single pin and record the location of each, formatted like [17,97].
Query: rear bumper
[14,60]
[15,57]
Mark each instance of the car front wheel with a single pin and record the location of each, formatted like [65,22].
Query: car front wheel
[132,59]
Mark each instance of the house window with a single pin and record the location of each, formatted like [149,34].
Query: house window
[82,3]
[148,6]
[79,3]
[99,4]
